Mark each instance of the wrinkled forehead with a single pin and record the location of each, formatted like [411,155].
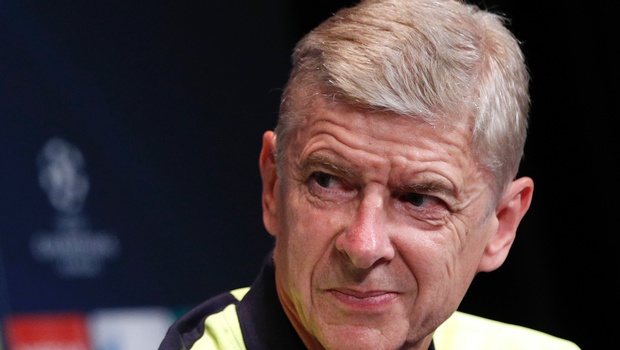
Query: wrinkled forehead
[361,124]
[383,147]
[306,104]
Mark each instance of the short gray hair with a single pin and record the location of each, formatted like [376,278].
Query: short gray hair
[444,61]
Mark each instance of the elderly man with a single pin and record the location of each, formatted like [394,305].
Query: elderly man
[388,184]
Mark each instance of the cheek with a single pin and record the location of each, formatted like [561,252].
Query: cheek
[307,225]
[301,251]
[463,247]
[434,258]
[305,235]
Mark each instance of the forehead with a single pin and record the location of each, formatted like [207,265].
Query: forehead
[382,133]
[396,151]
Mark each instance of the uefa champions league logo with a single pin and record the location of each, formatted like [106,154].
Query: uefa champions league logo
[62,177]
[72,247]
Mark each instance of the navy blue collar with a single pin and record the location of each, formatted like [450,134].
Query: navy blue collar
[263,322]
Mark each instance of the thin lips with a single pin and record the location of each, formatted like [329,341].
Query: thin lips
[362,294]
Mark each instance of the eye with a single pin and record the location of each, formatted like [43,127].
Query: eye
[424,207]
[328,187]
[325,180]
[422,201]
[415,199]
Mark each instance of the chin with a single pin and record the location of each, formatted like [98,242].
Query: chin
[347,337]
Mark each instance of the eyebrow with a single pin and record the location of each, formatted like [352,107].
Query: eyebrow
[429,187]
[318,160]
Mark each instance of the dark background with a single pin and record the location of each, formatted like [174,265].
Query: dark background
[167,101]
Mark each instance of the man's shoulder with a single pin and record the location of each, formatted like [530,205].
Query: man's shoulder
[214,321]
[465,331]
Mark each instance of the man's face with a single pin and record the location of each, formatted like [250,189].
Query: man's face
[381,223]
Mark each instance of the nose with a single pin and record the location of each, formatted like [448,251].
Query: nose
[365,241]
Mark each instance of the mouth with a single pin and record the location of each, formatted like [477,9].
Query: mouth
[367,300]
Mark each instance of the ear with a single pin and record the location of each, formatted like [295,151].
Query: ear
[269,176]
[511,209]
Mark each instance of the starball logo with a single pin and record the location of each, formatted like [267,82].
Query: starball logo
[72,247]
